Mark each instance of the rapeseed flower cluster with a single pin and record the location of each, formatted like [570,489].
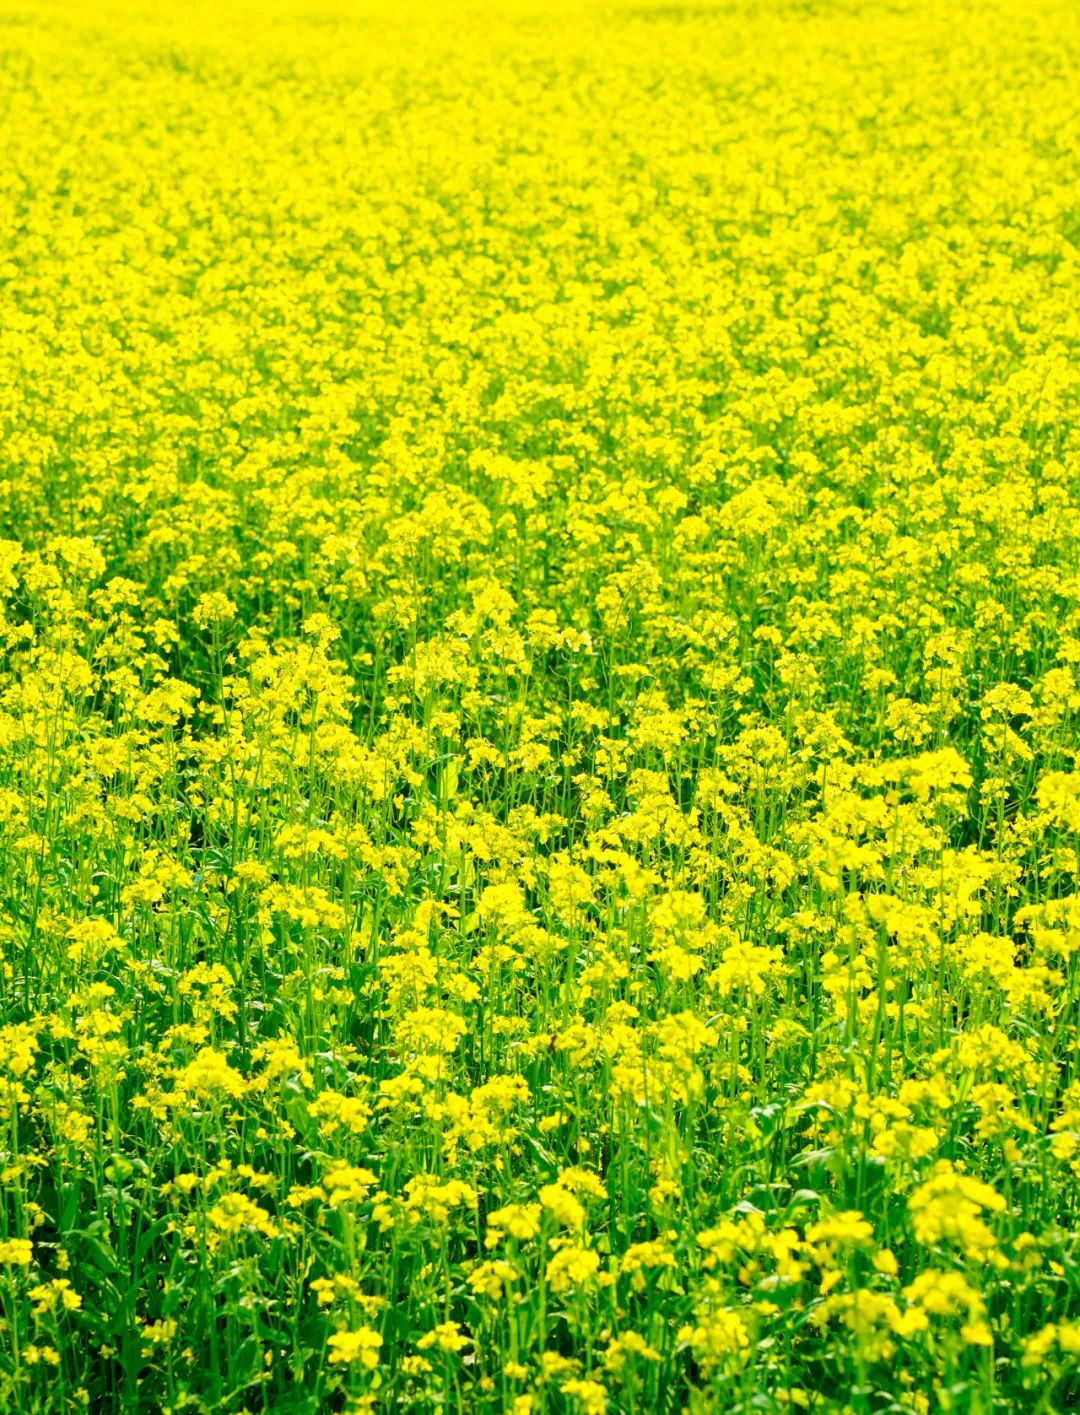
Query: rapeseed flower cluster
[539,690]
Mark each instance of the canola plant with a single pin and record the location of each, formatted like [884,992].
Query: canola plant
[539,758]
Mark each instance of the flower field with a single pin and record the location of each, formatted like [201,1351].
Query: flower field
[539,690]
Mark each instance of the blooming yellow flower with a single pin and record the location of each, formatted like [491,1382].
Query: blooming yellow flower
[361,1347]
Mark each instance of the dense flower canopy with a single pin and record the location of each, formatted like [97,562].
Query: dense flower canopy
[539,756]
